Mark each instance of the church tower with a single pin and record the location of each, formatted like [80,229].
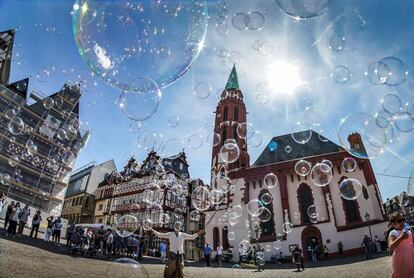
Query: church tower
[230,112]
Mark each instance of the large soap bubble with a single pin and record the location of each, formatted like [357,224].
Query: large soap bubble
[303,9]
[122,40]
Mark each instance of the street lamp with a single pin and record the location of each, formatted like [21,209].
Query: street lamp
[367,217]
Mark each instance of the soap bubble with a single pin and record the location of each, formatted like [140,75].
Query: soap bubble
[173,121]
[263,92]
[272,146]
[383,118]
[336,43]
[404,122]
[277,245]
[287,227]
[266,198]
[172,147]
[350,189]
[303,167]
[341,74]
[254,207]
[270,181]
[288,149]
[229,152]
[202,90]
[48,103]
[16,126]
[321,174]
[195,141]
[245,130]
[159,40]
[222,28]
[352,136]
[313,211]
[213,139]
[375,135]
[377,73]
[240,21]
[256,21]
[301,133]
[265,215]
[216,197]
[237,210]
[231,236]
[125,267]
[397,72]
[140,105]
[265,48]
[303,9]
[126,225]
[200,198]
[391,103]
[244,247]
[327,162]
[349,164]
[153,213]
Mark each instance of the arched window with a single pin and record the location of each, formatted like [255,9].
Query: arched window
[351,208]
[223,136]
[235,133]
[365,192]
[224,234]
[216,238]
[225,113]
[267,227]
[236,114]
[305,199]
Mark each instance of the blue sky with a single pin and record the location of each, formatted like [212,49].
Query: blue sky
[373,30]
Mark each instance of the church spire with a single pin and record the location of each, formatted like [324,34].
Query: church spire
[233,82]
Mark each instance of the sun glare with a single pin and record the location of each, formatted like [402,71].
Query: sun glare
[283,77]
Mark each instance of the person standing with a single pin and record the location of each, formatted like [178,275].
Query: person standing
[129,245]
[69,231]
[14,218]
[401,244]
[377,244]
[23,219]
[325,252]
[8,213]
[163,250]
[37,218]
[219,255]
[109,243]
[298,258]
[3,201]
[341,249]
[49,228]
[57,227]
[367,244]
[207,253]
[135,247]
[174,266]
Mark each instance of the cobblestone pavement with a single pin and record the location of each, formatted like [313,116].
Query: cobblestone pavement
[19,259]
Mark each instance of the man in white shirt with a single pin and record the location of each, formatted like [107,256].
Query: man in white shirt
[219,254]
[175,266]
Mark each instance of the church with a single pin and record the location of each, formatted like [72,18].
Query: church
[337,219]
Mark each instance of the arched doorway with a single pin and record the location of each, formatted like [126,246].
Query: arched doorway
[311,236]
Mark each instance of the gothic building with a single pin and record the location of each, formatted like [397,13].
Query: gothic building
[337,220]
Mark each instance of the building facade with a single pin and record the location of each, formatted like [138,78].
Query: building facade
[40,138]
[289,223]
[403,204]
[79,205]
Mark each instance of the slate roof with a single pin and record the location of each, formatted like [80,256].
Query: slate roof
[275,149]
[233,81]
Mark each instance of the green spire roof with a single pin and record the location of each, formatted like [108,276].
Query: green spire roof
[233,82]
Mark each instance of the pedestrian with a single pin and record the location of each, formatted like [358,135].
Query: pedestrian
[37,218]
[3,201]
[14,218]
[135,247]
[325,252]
[163,251]
[296,256]
[377,244]
[341,249]
[100,241]
[129,245]
[314,252]
[207,253]
[219,254]
[8,213]
[401,244]
[367,244]
[280,257]
[174,266]
[57,227]
[49,228]
[109,243]
[141,250]
[23,219]
[69,231]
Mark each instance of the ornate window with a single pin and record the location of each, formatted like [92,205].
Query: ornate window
[216,238]
[224,234]
[268,227]
[305,199]
[351,208]
[224,136]
[225,113]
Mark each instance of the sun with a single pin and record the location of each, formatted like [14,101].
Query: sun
[283,77]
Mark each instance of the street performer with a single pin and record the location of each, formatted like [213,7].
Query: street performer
[174,266]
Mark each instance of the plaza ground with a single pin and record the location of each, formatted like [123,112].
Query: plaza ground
[22,257]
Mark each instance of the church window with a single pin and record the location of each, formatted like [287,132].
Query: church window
[268,227]
[224,136]
[350,208]
[305,200]
[226,112]
[365,192]
[224,234]
[216,237]
[236,114]
[235,133]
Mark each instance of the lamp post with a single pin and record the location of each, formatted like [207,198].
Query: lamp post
[367,217]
